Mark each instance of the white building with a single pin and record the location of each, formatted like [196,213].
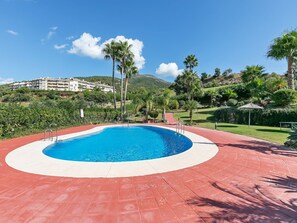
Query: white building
[61,84]
[105,88]
[17,85]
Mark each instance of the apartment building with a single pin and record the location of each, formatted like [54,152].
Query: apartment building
[61,84]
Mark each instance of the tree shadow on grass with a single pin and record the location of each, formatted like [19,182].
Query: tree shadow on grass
[288,183]
[211,119]
[272,130]
[228,126]
[205,112]
[262,147]
[195,121]
[246,204]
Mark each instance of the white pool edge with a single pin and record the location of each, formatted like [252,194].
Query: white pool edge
[30,158]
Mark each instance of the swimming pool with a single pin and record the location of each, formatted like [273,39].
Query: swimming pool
[31,159]
[118,144]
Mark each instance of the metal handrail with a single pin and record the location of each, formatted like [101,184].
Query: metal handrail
[180,127]
[50,133]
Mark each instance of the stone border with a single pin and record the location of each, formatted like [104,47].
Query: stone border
[30,158]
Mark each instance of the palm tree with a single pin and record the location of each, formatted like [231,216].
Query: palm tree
[213,93]
[253,77]
[285,47]
[124,55]
[129,70]
[190,106]
[138,103]
[149,106]
[252,72]
[275,82]
[191,83]
[111,51]
[190,62]
[164,99]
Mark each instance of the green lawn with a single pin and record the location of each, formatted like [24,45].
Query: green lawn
[203,118]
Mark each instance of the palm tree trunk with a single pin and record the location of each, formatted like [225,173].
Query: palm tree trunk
[191,115]
[146,113]
[122,71]
[291,83]
[113,86]
[125,94]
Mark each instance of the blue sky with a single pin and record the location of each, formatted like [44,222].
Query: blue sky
[64,38]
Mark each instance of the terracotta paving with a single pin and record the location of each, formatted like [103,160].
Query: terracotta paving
[247,181]
[170,119]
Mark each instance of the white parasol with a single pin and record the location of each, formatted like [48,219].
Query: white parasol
[250,106]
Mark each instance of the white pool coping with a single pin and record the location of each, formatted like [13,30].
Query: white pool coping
[30,158]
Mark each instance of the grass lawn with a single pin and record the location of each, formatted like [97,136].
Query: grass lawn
[203,118]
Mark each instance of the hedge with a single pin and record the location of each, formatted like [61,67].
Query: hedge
[16,119]
[266,117]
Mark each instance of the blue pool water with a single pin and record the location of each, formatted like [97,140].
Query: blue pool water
[117,144]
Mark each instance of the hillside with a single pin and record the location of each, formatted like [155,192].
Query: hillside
[148,82]
[144,80]
[221,80]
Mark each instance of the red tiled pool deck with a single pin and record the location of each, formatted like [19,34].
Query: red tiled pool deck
[247,181]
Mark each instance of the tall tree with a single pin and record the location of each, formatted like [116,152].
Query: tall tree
[187,83]
[124,55]
[285,47]
[190,62]
[217,72]
[227,72]
[204,76]
[111,51]
[129,70]
[192,84]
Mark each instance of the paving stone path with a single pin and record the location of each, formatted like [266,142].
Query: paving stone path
[249,180]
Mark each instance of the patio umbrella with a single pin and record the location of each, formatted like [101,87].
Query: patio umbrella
[250,106]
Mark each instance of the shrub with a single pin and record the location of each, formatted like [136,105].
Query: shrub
[181,103]
[232,102]
[16,119]
[173,104]
[291,143]
[267,117]
[154,114]
[284,97]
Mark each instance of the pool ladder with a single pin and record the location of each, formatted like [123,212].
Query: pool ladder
[180,127]
[49,134]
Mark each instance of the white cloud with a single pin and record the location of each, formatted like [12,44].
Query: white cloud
[50,34]
[59,47]
[52,31]
[170,69]
[87,45]
[6,80]
[136,49]
[12,32]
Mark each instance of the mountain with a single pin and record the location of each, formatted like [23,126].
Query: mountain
[147,81]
